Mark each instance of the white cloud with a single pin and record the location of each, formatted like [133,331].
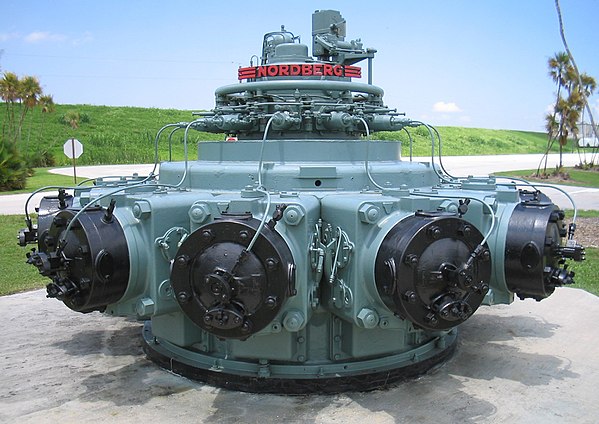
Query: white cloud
[40,36]
[445,107]
[5,36]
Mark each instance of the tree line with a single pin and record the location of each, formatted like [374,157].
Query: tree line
[20,96]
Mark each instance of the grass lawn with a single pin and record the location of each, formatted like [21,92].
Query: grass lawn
[15,274]
[578,177]
[587,271]
[110,135]
[469,141]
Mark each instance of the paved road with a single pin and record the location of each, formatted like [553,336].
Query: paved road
[459,166]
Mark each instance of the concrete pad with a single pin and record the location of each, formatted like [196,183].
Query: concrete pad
[527,362]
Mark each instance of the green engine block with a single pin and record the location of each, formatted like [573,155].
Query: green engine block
[298,254]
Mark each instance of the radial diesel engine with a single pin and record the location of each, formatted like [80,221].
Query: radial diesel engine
[298,254]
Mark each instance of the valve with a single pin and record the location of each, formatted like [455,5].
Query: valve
[277,215]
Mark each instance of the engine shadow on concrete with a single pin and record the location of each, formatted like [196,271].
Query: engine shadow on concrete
[115,385]
[122,341]
[484,340]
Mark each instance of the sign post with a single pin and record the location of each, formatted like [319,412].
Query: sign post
[73,149]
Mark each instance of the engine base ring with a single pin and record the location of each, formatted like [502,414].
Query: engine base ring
[299,379]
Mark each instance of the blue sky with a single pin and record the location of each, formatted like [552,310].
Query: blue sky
[466,63]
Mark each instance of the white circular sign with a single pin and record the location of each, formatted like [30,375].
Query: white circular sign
[73,148]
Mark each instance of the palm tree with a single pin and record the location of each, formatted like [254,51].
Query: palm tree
[19,96]
[47,106]
[9,93]
[588,83]
[563,121]
[559,71]
[29,93]
[46,103]
[578,75]
[72,118]
[551,125]
[558,68]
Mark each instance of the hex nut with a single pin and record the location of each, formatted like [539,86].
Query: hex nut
[144,307]
[367,318]
[369,213]
[293,215]
[142,209]
[199,212]
[294,321]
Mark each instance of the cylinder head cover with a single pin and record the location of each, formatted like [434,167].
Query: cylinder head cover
[89,265]
[226,289]
[426,270]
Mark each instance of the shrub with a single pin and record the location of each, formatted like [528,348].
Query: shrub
[74,118]
[13,171]
[42,159]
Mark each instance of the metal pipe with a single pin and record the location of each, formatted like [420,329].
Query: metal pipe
[300,85]
[260,187]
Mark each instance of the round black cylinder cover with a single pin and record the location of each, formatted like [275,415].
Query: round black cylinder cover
[90,269]
[533,237]
[49,206]
[224,288]
[431,270]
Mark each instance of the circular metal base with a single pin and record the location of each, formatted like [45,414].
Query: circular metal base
[371,374]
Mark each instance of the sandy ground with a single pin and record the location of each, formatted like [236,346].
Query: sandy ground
[527,362]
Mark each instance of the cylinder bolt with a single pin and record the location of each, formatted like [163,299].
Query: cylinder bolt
[411,260]
[271,302]
[434,232]
[294,321]
[271,264]
[182,261]
[183,297]
[411,297]
[207,235]
[465,231]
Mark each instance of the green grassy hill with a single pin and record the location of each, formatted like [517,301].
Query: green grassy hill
[459,141]
[114,135]
[109,134]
